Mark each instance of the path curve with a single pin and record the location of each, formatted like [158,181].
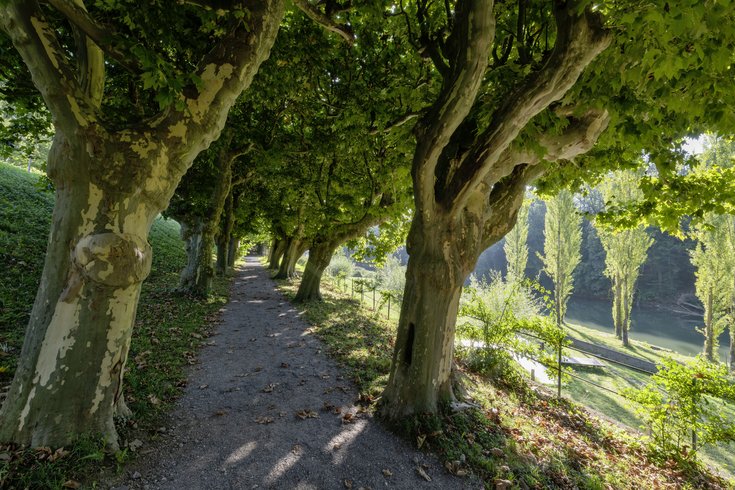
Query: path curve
[237,425]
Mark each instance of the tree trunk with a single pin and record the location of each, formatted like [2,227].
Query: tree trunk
[277,251]
[732,349]
[191,234]
[319,256]
[233,250]
[294,250]
[198,274]
[221,263]
[617,305]
[420,377]
[69,376]
[709,334]
[224,236]
[625,324]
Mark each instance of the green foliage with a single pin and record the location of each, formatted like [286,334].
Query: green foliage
[391,276]
[562,239]
[495,314]
[341,266]
[685,399]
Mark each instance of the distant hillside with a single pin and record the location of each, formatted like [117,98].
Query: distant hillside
[666,277]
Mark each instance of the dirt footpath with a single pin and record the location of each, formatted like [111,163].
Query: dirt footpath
[266,408]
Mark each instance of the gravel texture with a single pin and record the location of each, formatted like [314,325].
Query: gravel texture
[266,408]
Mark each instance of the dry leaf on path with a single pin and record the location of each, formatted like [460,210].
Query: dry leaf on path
[307,414]
[423,473]
[264,420]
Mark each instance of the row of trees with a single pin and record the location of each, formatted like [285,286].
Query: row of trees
[626,251]
[443,112]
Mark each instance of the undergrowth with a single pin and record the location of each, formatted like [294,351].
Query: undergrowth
[169,329]
[515,436]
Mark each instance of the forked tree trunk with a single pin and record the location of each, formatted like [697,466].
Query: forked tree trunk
[319,256]
[277,251]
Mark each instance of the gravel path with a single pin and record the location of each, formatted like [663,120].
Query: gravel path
[266,408]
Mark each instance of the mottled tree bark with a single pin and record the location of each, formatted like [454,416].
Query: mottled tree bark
[110,186]
[295,248]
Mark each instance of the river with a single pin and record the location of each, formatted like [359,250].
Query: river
[655,326]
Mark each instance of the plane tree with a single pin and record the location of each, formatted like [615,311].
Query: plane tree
[132,104]
[520,90]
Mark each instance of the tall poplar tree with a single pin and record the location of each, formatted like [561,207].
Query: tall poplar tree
[562,240]
[625,249]
[516,246]
[713,284]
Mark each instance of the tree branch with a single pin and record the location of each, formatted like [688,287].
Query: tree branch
[80,18]
[580,38]
[91,63]
[42,53]
[325,21]
[472,36]
[399,121]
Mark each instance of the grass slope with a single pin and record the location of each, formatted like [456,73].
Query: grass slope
[516,438]
[169,329]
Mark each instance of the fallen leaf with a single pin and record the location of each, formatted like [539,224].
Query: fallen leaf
[284,364]
[387,473]
[348,418]
[135,444]
[348,483]
[502,484]
[269,388]
[155,401]
[307,414]
[58,454]
[220,413]
[420,439]
[264,420]
[422,473]
[497,452]
[201,387]
[71,484]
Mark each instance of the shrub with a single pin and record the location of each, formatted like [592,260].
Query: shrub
[682,407]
